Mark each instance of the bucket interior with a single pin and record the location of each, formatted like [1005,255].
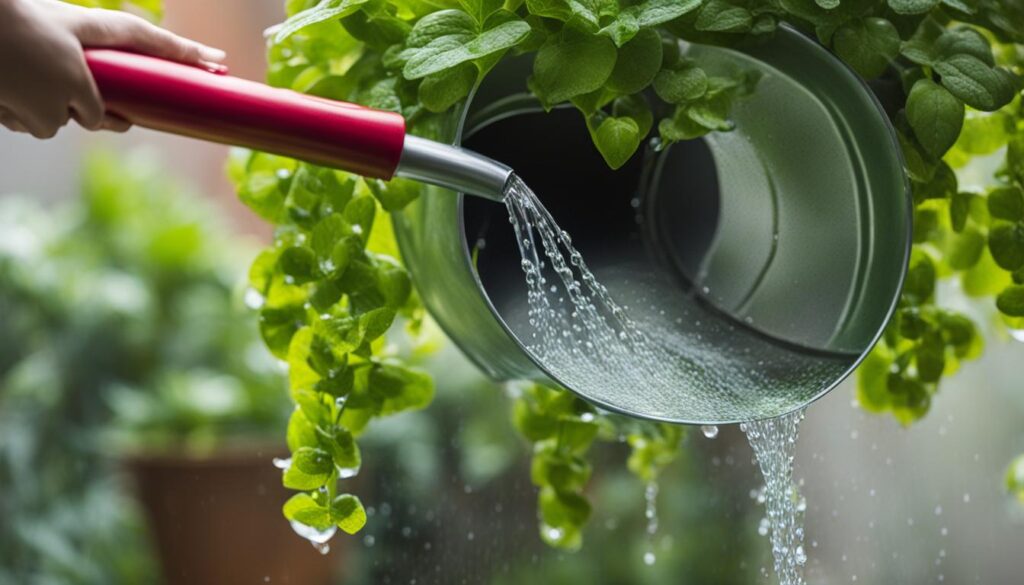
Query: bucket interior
[755,252]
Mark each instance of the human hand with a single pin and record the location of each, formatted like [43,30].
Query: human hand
[44,79]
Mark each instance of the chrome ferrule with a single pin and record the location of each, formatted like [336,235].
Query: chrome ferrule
[453,168]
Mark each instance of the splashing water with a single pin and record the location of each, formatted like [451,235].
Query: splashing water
[690,364]
[773,442]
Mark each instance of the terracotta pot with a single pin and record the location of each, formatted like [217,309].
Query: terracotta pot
[217,520]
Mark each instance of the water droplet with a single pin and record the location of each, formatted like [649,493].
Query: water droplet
[318,538]
[710,431]
[282,464]
[322,548]
[649,558]
[253,299]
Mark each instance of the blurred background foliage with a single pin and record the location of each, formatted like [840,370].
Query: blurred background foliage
[121,327]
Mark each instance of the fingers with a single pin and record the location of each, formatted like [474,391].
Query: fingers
[107,28]
[115,124]
[42,124]
[86,102]
[7,120]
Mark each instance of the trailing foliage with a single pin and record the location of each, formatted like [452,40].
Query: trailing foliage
[329,294]
[562,429]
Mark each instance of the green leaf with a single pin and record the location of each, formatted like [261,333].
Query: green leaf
[557,9]
[348,513]
[377,25]
[360,212]
[635,107]
[301,432]
[680,127]
[976,83]
[1015,156]
[344,452]
[575,436]
[943,184]
[682,84]
[637,63]
[985,278]
[654,12]
[931,358]
[1011,301]
[920,282]
[868,45]
[563,509]
[396,193]
[302,508]
[960,5]
[480,9]
[1006,203]
[935,115]
[447,38]
[565,474]
[872,376]
[721,16]
[959,208]
[322,12]
[966,249]
[1006,243]
[920,165]
[311,468]
[646,15]
[964,40]
[395,286]
[912,6]
[327,235]
[299,262]
[571,63]
[442,90]
[533,425]
[617,139]
[400,388]
[712,113]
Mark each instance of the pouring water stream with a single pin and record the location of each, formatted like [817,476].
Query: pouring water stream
[583,335]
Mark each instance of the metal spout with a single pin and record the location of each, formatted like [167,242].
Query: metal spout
[453,168]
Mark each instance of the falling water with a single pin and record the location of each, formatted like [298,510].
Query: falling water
[651,513]
[582,335]
[773,441]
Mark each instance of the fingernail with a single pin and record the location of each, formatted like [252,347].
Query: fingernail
[212,54]
[216,68]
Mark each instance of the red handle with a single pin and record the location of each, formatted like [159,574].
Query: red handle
[181,99]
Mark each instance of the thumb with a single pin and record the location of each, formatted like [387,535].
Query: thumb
[109,28]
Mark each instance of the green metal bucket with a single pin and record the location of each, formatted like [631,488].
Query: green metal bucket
[780,246]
